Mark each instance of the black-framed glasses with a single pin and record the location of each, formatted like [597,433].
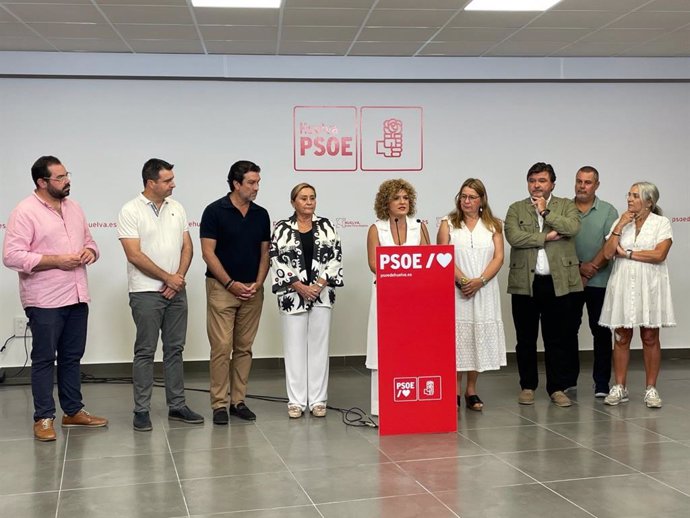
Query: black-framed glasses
[59,179]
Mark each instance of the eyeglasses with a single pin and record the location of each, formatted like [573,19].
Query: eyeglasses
[59,179]
[468,197]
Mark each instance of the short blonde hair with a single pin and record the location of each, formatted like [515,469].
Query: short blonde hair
[387,191]
[297,188]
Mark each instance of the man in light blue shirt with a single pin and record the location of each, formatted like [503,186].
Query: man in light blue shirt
[596,218]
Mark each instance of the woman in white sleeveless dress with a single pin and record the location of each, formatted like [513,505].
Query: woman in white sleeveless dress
[395,206]
[638,293]
[478,240]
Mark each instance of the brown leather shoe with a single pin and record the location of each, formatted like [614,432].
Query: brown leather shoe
[83,418]
[43,430]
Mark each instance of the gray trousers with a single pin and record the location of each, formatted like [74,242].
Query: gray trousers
[153,315]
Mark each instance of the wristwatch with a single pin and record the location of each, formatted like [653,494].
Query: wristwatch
[628,253]
[545,213]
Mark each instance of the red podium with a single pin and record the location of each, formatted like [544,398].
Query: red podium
[415,296]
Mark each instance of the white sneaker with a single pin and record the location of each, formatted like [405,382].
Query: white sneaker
[617,394]
[651,397]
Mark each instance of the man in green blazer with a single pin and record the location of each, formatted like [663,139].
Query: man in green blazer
[544,271]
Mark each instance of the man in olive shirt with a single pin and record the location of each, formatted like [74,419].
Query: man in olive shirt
[596,218]
[543,274]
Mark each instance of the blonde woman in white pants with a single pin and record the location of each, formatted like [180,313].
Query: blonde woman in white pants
[306,267]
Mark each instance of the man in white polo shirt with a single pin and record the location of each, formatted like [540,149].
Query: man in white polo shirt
[154,234]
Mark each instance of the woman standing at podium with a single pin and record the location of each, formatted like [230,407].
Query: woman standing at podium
[395,206]
[306,267]
[478,240]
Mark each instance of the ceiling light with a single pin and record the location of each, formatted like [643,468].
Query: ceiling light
[247,4]
[510,5]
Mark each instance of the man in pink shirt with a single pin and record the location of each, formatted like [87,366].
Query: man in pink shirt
[49,244]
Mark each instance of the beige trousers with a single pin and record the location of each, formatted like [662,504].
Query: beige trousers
[231,325]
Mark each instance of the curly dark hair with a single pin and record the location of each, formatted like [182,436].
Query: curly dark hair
[388,190]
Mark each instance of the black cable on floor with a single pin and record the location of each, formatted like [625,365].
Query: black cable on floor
[26,354]
[354,416]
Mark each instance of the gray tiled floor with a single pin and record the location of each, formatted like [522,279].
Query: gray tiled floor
[507,461]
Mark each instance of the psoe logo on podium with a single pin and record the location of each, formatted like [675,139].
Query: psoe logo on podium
[405,389]
[391,138]
[429,388]
[325,138]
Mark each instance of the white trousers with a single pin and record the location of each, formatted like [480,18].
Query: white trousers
[374,392]
[305,347]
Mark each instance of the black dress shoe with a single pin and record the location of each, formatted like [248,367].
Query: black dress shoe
[220,416]
[242,411]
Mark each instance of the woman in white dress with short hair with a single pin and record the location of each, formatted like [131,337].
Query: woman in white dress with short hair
[478,240]
[395,205]
[639,291]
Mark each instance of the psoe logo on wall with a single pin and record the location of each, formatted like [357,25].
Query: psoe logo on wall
[325,138]
[348,223]
[347,138]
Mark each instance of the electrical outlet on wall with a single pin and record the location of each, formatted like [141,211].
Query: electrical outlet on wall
[21,327]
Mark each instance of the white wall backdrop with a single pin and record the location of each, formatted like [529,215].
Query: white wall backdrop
[103,130]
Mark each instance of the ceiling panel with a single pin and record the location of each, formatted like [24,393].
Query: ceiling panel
[564,35]
[465,34]
[416,4]
[409,17]
[15,30]
[486,19]
[576,19]
[328,3]
[143,31]
[133,2]
[55,13]
[319,33]
[83,2]
[74,30]
[589,49]
[210,16]
[672,45]
[667,5]
[230,32]
[653,20]
[327,17]
[6,17]
[147,14]
[395,34]
[365,27]
[623,35]
[25,44]
[90,45]
[596,5]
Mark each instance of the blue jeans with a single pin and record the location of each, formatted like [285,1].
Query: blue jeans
[155,316]
[58,333]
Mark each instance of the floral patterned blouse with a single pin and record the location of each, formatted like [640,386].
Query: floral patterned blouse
[288,264]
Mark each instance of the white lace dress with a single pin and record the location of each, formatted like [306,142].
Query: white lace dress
[414,237]
[639,294]
[480,343]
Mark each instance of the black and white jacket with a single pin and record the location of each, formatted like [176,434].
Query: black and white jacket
[288,264]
